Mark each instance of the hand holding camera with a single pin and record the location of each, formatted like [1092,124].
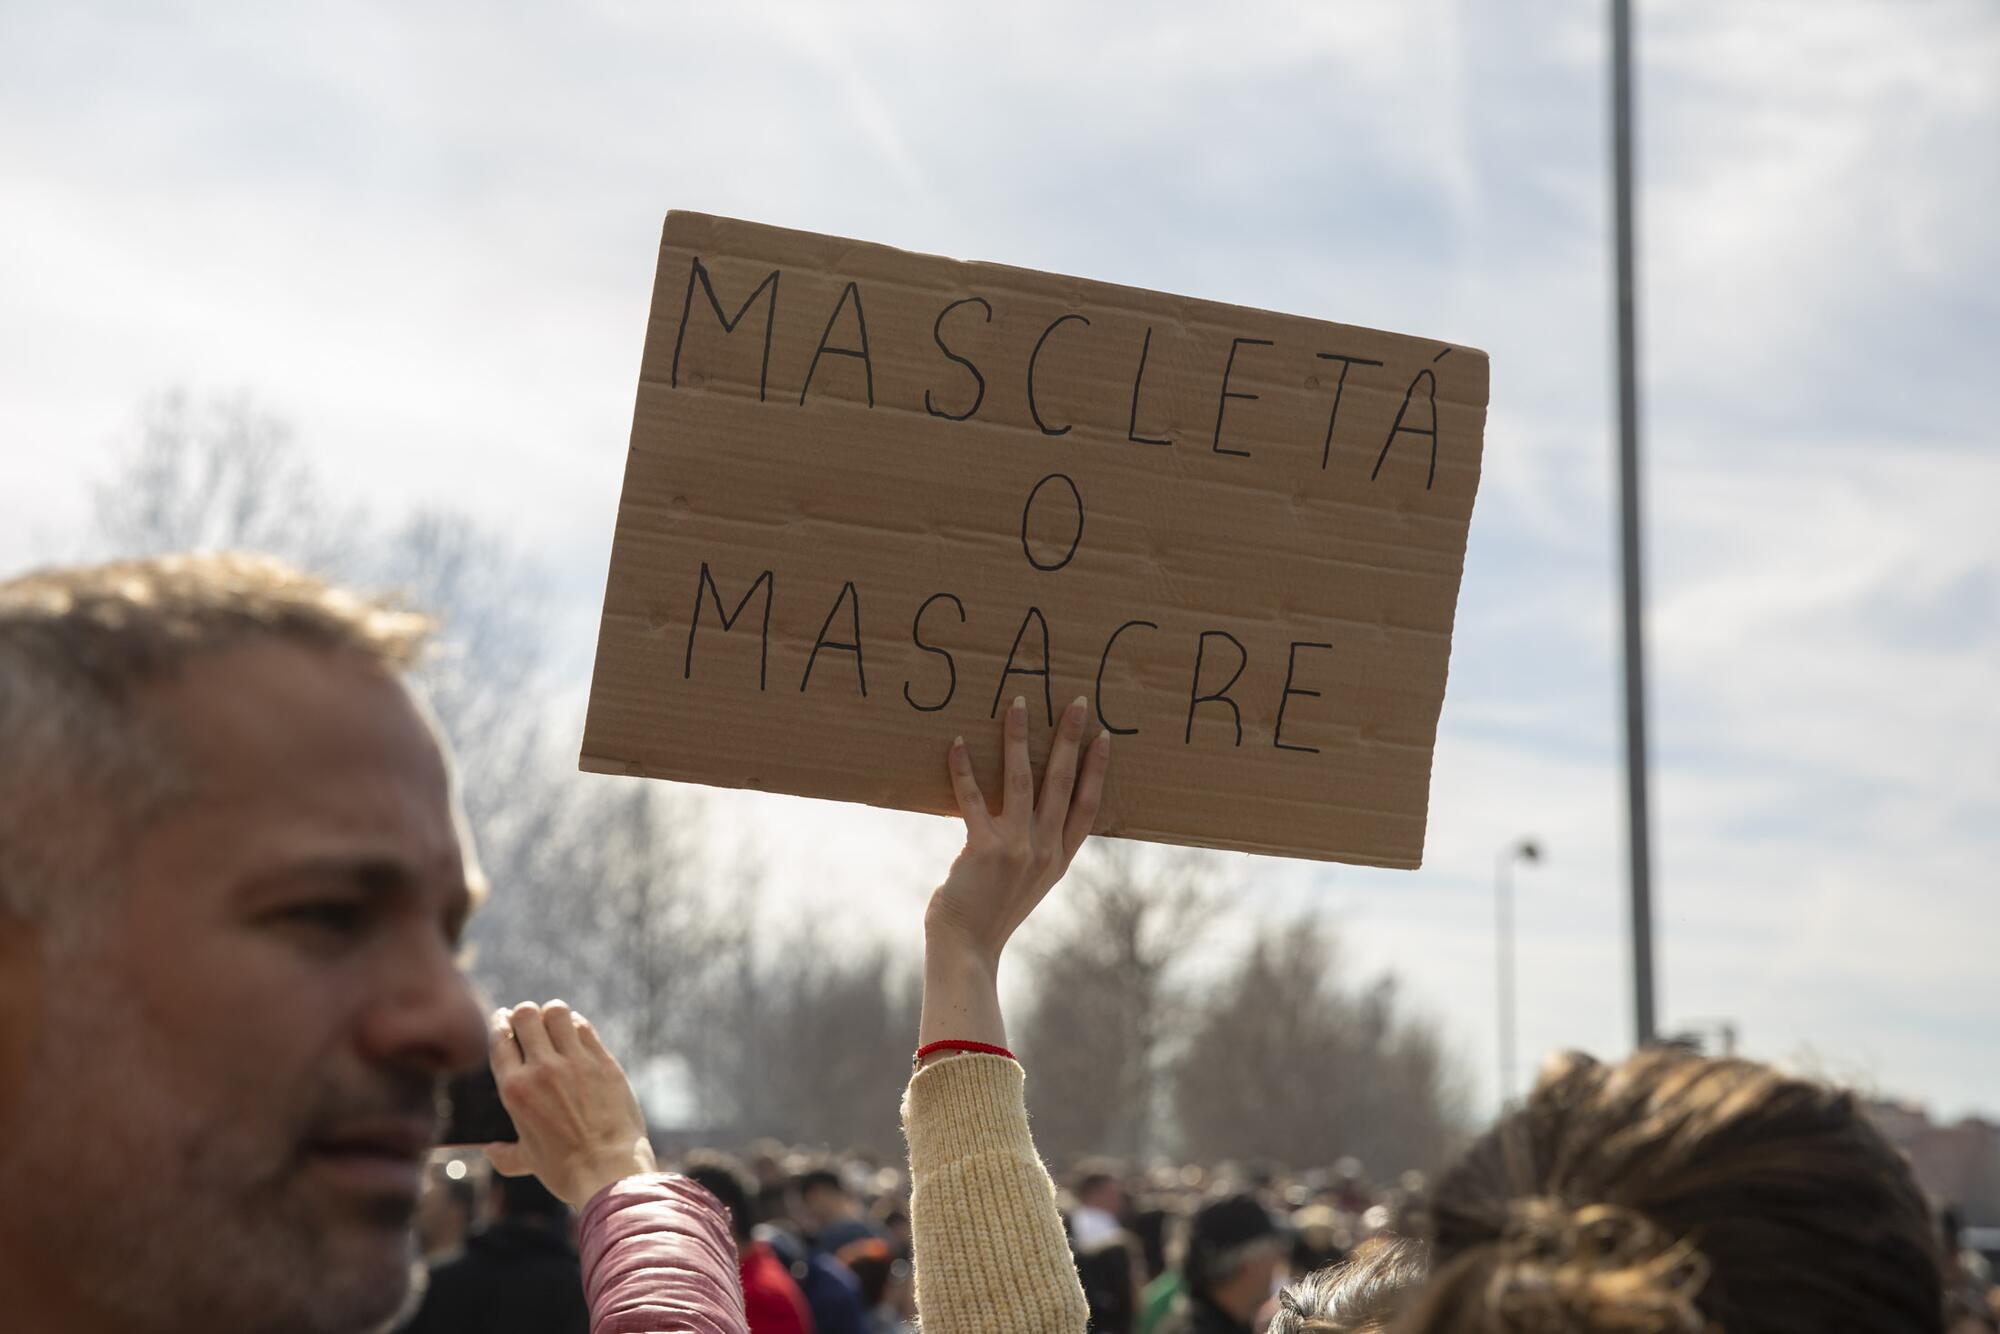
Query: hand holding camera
[579,1125]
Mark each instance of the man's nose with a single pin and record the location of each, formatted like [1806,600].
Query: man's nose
[428,1017]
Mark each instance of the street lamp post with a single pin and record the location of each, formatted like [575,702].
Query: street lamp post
[1638,812]
[1526,850]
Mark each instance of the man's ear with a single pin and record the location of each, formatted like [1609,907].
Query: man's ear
[22,970]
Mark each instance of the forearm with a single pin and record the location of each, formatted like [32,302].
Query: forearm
[961,995]
[989,1244]
[991,1256]
[658,1258]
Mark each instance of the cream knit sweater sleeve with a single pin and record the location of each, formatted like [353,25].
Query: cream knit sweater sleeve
[991,1257]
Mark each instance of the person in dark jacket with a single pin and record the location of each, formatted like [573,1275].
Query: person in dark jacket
[830,1287]
[829,1215]
[1235,1252]
[518,1274]
[1108,1272]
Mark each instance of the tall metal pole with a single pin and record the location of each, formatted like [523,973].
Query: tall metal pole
[1638,819]
[1523,850]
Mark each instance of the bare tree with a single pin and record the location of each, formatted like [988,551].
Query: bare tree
[610,909]
[217,474]
[226,474]
[487,680]
[492,601]
[809,1044]
[1286,1063]
[1104,1014]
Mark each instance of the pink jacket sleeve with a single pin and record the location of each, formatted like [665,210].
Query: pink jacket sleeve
[658,1258]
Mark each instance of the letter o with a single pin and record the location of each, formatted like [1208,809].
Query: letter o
[1029,508]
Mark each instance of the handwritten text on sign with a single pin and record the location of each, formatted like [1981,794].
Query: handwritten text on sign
[873,495]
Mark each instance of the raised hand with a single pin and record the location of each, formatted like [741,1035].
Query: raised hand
[580,1125]
[1009,864]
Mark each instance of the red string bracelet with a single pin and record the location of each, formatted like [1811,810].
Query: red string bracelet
[957,1044]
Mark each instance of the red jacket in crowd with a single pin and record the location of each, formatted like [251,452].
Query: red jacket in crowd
[770,1298]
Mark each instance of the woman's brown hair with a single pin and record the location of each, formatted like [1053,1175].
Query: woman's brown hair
[1683,1195]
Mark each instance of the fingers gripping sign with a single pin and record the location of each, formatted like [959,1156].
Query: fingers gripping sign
[1070,799]
[1008,865]
[1012,860]
[580,1125]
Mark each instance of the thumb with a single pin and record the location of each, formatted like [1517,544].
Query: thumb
[509,1160]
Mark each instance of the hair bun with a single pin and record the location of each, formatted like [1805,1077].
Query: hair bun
[1597,1267]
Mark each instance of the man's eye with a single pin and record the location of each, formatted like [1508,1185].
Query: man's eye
[334,915]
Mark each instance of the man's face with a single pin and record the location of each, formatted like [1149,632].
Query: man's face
[228,1064]
[823,1205]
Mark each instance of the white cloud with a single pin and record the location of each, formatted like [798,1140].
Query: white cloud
[1814,172]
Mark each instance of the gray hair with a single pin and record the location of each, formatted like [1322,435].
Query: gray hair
[78,644]
[1358,1295]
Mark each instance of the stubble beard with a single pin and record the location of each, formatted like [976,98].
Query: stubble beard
[169,1223]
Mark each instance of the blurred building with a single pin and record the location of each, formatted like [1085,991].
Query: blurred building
[1957,1164]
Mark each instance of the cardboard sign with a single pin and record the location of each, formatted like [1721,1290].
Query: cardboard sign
[872,496]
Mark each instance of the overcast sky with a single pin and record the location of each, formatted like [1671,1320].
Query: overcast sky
[425,234]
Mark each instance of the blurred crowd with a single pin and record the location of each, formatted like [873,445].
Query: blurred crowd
[827,1239]
[825,1245]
